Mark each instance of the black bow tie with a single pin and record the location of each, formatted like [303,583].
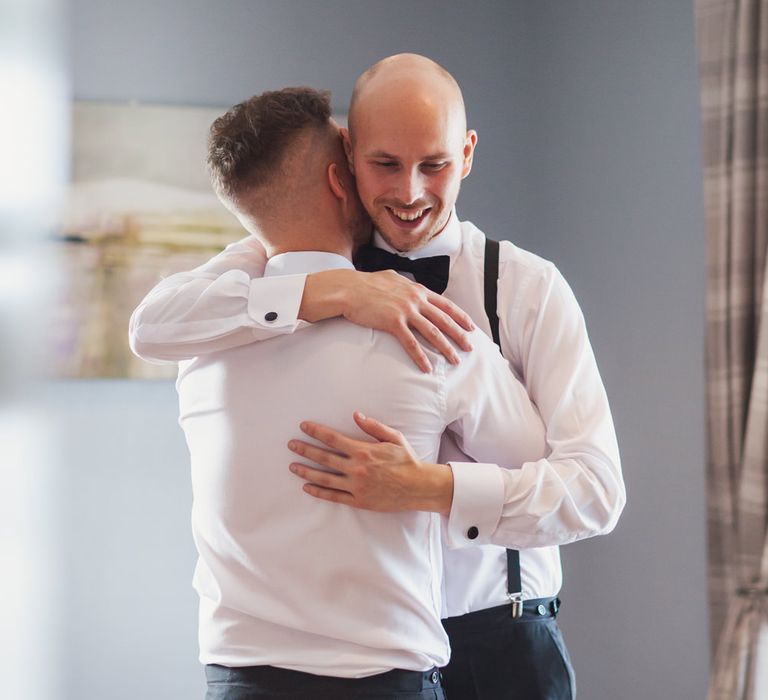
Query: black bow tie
[431,272]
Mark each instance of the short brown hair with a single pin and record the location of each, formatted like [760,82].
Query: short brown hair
[247,144]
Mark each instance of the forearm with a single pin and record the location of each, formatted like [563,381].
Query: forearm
[225,304]
[431,489]
[190,314]
[194,313]
[326,295]
[221,304]
[560,480]
[558,502]
[544,503]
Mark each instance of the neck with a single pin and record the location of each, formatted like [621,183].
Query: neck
[315,235]
[315,223]
[313,248]
[310,246]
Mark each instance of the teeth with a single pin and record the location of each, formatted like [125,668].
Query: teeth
[407,215]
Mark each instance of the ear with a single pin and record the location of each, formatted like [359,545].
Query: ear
[335,183]
[347,147]
[469,152]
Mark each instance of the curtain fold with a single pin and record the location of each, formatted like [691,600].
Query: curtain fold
[732,40]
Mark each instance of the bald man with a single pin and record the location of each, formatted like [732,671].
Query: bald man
[409,149]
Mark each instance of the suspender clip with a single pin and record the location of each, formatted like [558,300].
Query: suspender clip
[517,604]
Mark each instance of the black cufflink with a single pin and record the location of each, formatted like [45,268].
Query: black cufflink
[472,533]
[271,316]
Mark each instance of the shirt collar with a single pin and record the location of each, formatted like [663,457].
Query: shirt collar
[447,242]
[305,261]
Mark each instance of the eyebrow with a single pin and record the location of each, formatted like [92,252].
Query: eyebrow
[442,155]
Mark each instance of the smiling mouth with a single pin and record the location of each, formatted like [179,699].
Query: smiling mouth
[409,218]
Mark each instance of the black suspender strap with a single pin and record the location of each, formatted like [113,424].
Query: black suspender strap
[491,284]
[514,584]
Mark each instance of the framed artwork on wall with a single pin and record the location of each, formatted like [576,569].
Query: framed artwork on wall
[139,207]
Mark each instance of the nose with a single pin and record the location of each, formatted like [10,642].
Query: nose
[410,187]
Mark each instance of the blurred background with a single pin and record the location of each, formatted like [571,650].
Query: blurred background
[589,155]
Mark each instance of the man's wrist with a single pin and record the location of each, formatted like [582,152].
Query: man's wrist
[435,488]
[325,295]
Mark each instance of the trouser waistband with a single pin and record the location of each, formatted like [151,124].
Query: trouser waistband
[479,620]
[277,679]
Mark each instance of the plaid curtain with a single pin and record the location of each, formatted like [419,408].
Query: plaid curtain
[733,68]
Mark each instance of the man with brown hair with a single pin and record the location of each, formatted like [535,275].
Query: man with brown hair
[300,598]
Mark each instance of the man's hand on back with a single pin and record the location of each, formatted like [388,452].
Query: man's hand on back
[384,475]
[389,302]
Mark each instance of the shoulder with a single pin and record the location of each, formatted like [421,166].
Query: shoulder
[248,243]
[484,366]
[248,246]
[516,265]
[246,255]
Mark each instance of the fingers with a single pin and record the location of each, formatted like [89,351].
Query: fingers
[378,430]
[447,326]
[328,436]
[322,485]
[412,346]
[435,338]
[329,459]
[457,314]
[434,318]
[330,494]
[389,302]
[318,477]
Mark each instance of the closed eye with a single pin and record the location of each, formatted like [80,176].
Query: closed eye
[434,166]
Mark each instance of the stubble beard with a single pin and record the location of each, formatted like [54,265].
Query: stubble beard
[410,244]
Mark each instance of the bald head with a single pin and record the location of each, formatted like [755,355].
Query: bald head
[407,79]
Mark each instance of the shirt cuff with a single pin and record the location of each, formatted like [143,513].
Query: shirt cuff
[273,303]
[478,499]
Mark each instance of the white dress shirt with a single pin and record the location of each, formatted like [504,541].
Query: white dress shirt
[572,490]
[288,580]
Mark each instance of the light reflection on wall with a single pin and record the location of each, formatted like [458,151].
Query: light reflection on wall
[33,138]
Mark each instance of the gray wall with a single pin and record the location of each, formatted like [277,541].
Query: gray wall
[614,198]
[588,155]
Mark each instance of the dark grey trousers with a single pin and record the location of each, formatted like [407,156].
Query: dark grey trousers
[270,683]
[495,657]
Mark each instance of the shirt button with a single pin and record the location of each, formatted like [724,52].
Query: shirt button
[541,610]
[472,533]
[271,316]
[435,676]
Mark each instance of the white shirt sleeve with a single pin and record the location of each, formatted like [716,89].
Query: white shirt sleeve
[222,304]
[478,499]
[576,489]
[489,414]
